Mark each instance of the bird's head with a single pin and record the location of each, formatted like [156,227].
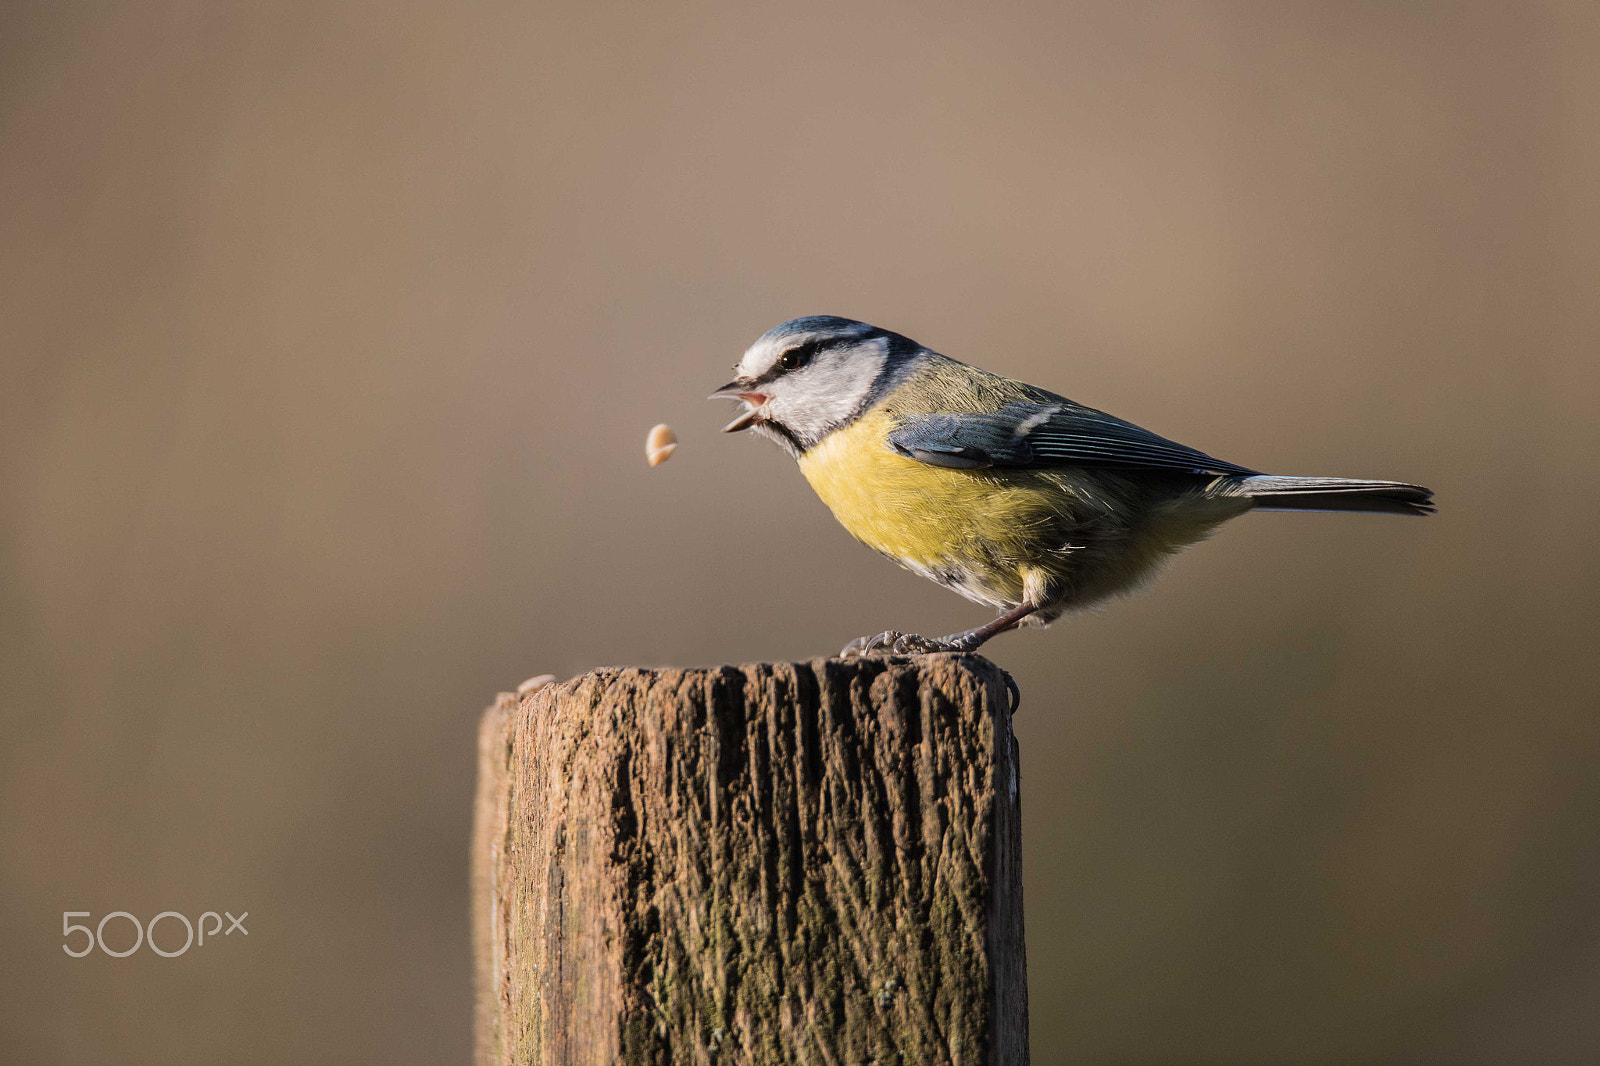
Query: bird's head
[808,377]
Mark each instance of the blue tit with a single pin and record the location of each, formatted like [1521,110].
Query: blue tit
[1010,495]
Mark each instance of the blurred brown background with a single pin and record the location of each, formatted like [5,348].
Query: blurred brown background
[330,339]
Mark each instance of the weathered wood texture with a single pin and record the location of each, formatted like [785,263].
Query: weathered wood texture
[779,863]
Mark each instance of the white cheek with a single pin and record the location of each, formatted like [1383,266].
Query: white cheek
[820,400]
[803,411]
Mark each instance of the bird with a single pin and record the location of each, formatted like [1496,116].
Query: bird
[1008,494]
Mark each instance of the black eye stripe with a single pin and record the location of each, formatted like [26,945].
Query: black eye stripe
[801,354]
[797,357]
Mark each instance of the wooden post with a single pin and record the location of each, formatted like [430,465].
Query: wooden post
[777,863]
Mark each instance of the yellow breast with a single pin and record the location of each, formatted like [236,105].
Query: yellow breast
[891,503]
[931,517]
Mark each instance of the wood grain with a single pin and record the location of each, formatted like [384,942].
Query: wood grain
[776,863]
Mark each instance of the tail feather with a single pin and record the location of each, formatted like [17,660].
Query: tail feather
[1275,493]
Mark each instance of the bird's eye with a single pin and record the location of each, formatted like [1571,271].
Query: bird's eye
[795,358]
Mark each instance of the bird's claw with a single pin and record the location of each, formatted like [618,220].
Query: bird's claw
[891,642]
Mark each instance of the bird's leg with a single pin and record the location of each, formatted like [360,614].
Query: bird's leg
[895,643]
[973,639]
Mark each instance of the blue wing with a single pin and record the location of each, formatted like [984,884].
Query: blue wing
[1024,434]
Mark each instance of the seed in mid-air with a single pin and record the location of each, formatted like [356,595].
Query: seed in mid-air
[660,444]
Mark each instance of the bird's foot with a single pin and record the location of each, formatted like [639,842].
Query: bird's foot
[892,642]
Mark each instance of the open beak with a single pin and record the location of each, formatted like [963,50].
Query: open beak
[735,390]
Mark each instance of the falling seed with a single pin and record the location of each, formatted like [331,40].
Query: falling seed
[534,684]
[660,444]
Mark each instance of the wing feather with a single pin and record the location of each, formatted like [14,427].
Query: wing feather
[1042,434]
